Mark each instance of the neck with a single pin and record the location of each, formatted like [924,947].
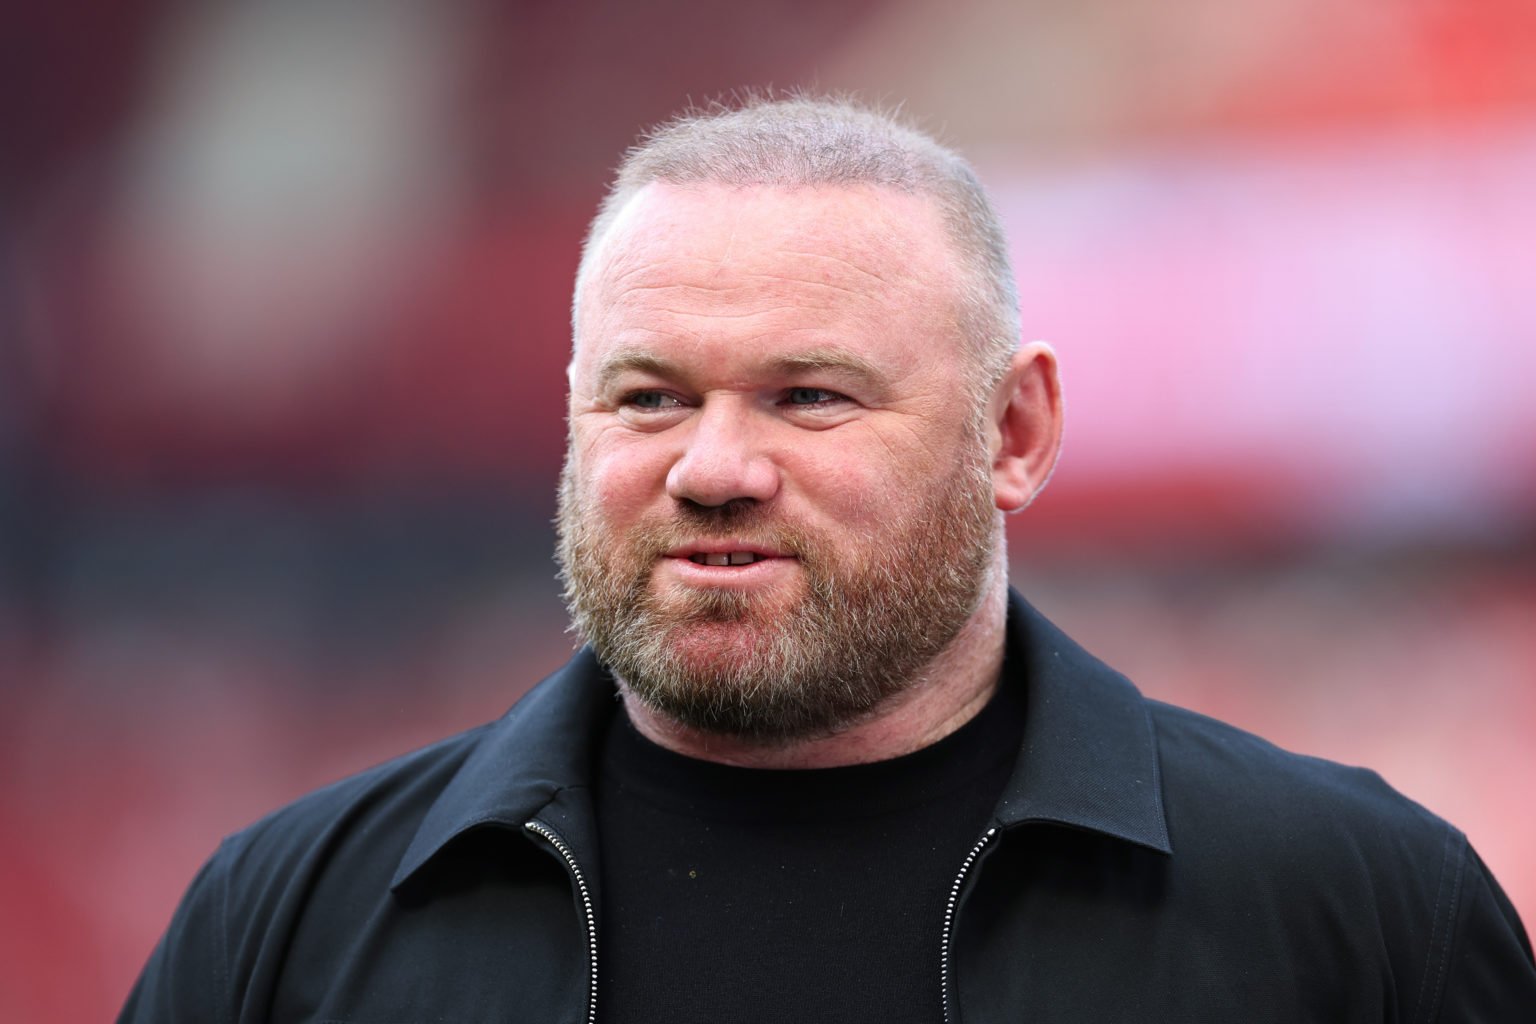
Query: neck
[947,693]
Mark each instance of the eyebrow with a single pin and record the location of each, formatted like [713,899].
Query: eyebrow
[827,359]
[632,361]
[834,360]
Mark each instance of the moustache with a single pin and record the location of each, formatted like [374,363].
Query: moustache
[741,521]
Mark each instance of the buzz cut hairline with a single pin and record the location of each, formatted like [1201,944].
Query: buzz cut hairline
[799,140]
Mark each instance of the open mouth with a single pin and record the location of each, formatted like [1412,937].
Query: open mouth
[726,558]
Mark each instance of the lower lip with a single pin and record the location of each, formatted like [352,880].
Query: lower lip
[758,573]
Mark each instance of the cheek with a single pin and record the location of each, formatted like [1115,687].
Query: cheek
[850,482]
[622,481]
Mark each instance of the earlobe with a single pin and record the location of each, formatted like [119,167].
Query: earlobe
[1027,418]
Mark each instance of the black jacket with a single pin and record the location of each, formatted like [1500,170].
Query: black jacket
[1145,864]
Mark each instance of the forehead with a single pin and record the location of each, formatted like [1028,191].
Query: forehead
[719,221]
[772,260]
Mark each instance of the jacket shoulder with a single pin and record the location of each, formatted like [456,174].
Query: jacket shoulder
[1220,772]
[1329,857]
[221,955]
[1325,855]
[386,799]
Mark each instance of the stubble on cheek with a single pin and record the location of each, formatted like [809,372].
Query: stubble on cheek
[612,573]
[861,620]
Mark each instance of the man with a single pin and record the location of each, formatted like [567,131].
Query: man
[817,762]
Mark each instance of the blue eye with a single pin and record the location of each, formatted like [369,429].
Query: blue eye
[650,400]
[810,396]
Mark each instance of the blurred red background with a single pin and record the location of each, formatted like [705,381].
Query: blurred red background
[283,299]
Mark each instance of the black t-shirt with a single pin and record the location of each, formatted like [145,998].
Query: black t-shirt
[738,894]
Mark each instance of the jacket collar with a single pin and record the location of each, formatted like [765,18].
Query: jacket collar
[544,745]
[1088,759]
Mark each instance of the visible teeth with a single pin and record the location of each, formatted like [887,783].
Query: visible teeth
[724,558]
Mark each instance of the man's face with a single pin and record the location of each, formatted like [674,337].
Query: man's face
[776,507]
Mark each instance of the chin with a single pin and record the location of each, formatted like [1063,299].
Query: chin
[703,607]
[709,649]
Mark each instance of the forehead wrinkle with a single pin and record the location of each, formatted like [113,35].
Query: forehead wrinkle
[847,264]
[633,270]
[881,257]
[740,280]
[682,303]
[799,269]
[746,315]
[623,265]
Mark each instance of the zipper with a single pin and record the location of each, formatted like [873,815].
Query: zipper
[950,910]
[561,847]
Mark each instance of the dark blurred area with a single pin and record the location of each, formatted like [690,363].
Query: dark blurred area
[283,325]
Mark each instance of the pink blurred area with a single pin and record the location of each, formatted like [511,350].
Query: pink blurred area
[283,303]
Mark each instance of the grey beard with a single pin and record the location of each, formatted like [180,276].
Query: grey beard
[715,661]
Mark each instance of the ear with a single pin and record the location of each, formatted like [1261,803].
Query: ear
[1025,422]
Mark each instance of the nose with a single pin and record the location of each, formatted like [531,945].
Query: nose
[724,460]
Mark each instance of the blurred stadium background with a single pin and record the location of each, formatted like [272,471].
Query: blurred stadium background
[283,299]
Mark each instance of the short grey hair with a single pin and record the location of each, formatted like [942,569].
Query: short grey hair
[800,140]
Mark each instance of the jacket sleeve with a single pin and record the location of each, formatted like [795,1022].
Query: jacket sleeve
[187,977]
[1488,971]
